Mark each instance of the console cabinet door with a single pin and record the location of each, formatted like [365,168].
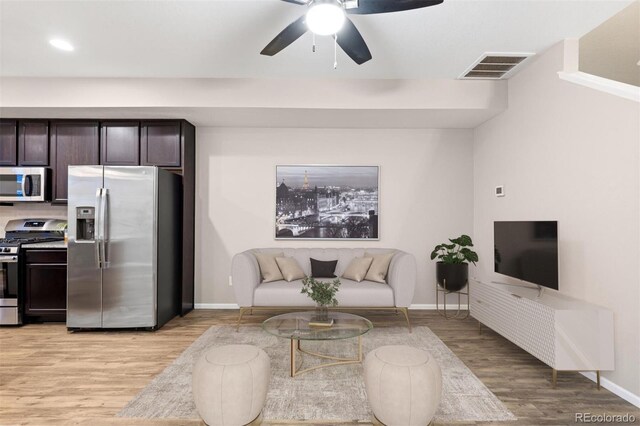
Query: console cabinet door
[33,143]
[161,144]
[8,143]
[72,144]
[120,143]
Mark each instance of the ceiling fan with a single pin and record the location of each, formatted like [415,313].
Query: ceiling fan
[328,17]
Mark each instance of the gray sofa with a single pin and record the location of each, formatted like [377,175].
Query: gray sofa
[396,295]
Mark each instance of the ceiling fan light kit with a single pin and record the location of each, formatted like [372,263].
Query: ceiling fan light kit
[328,17]
[325,18]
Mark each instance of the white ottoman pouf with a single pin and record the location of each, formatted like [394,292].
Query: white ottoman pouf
[230,384]
[403,384]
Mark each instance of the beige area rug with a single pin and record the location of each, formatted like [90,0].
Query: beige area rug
[328,394]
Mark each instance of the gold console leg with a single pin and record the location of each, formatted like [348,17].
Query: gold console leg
[479,328]
[554,378]
[598,379]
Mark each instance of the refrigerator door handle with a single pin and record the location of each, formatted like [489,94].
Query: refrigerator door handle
[97,227]
[104,225]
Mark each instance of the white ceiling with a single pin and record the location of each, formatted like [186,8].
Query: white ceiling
[222,39]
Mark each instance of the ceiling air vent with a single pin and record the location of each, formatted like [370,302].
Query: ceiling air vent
[495,66]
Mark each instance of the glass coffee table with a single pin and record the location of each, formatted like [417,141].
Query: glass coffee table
[295,327]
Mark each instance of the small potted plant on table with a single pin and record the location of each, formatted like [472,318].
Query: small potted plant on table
[324,294]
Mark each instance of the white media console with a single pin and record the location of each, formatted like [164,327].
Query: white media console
[563,332]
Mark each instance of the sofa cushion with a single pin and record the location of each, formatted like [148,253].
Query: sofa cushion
[323,268]
[357,269]
[351,294]
[268,266]
[290,268]
[379,267]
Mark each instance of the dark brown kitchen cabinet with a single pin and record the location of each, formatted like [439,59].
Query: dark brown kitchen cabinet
[73,143]
[8,142]
[45,285]
[33,143]
[120,143]
[161,144]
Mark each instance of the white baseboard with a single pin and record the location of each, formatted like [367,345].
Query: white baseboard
[615,389]
[216,306]
[415,306]
[432,306]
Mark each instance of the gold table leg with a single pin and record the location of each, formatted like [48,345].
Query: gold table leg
[297,347]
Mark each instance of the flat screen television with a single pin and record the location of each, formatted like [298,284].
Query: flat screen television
[527,251]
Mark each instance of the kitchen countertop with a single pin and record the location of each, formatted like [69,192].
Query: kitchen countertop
[46,245]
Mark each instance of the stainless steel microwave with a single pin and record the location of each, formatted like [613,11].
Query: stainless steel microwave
[24,184]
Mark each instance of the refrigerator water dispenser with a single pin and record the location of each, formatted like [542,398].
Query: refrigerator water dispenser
[85,221]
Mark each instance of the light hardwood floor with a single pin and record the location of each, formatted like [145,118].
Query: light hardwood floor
[50,376]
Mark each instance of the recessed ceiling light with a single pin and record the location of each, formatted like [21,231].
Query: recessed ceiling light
[61,44]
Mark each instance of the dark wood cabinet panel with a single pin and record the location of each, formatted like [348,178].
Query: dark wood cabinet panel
[33,143]
[120,143]
[46,256]
[8,142]
[72,144]
[45,285]
[161,144]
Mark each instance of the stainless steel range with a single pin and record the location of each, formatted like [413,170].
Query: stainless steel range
[17,233]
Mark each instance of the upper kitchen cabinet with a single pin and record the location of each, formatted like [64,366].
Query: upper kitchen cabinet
[33,143]
[120,143]
[161,144]
[8,142]
[73,143]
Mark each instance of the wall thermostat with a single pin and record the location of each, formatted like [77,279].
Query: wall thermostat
[500,191]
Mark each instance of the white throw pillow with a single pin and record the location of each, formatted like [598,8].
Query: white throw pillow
[268,266]
[379,266]
[290,268]
[357,269]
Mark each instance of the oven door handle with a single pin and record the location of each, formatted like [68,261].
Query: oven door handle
[96,227]
[8,259]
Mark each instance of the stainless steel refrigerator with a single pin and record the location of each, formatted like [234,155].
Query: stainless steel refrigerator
[124,250]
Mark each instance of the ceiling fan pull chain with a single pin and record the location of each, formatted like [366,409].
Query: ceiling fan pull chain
[314,43]
[335,51]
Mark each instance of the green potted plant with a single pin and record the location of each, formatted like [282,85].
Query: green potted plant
[452,268]
[323,293]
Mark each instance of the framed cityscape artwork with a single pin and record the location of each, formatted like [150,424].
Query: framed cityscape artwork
[327,202]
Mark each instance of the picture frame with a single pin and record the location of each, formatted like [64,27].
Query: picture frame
[327,202]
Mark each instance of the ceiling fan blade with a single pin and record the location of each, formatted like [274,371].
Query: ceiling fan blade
[300,2]
[351,41]
[368,7]
[290,34]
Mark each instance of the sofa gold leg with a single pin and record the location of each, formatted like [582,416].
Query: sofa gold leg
[242,310]
[405,311]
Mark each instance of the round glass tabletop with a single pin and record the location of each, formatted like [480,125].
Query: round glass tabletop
[295,325]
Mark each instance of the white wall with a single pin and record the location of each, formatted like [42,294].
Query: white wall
[426,192]
[572,154]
